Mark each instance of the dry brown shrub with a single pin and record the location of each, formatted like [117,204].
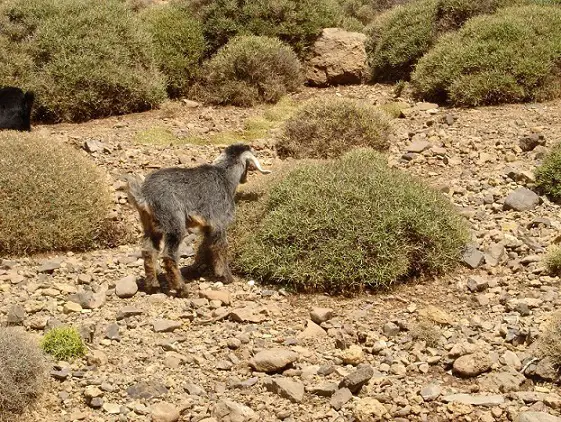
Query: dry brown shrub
[52,197]
[427,331]
[23,371]
[548,344]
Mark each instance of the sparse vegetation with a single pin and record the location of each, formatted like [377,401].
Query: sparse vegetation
[52,197]
[83,59]
[548,174]
[295,22]
[22,372]
[156,136]
[326,128]
[427,331]
[249,70]
[392,109]
[63,343]
[179,44]
[398,38]
[346,225]
[509,57]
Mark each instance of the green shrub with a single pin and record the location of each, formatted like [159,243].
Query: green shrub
[345,225]
[83,59]
[512,56]
[22,372]
[52,197]
[296,22]
[401,36]
[326,128]
[358,13]
[179,44]
[63,343]
[249,70]
[548,174]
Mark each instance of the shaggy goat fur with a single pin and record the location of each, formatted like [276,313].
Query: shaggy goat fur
[173,201]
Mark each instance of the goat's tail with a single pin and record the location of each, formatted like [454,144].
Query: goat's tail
[134,192]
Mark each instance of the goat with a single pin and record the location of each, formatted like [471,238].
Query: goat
[174,201]
[15,108]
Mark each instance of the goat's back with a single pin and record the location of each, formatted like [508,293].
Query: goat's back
[15,109]
[177,193]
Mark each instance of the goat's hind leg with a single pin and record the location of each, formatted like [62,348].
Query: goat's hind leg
[150,250]
[170,261]
[203,257]
[219,254]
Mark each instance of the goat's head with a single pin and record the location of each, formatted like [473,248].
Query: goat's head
[240,154]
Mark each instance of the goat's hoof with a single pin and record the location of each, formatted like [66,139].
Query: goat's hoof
[183,293]
[227,279]
[151,286]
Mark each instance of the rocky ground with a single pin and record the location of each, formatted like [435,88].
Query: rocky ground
[247,352]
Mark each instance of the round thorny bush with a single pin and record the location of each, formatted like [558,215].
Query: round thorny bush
[345,225]
[249,70]
[327,128]
[52,198]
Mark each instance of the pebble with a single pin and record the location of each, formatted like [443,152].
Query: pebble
[126,287]
[273,360]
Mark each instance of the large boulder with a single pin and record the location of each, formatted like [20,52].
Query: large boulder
[338,57]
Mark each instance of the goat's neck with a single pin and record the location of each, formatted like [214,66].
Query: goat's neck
[233,173]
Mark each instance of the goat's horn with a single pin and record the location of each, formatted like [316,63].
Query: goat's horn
[255,162]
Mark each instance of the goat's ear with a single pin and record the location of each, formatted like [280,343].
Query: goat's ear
[243,179]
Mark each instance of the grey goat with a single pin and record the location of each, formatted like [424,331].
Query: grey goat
[174,201]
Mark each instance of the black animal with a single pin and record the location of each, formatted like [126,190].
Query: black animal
[173,201]
[15,108]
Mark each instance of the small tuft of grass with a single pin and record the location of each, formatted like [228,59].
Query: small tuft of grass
[392,109]
[344,225]
[326,128]
[63,343]
[548,174]
[553,261]
[426,331]
[23,372]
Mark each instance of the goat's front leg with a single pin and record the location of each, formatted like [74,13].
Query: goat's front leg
[170,261]
[219,255]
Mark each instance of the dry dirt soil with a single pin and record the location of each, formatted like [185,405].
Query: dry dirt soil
[458,348]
